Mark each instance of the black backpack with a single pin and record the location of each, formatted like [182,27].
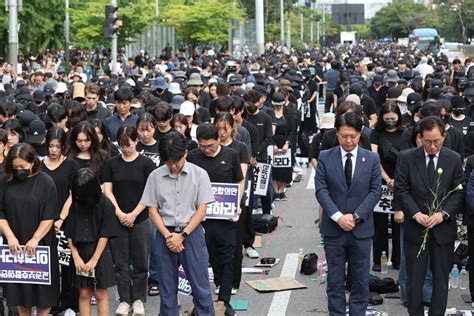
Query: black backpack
[264,223]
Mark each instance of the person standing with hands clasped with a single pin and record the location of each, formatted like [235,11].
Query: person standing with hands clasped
[88,227]
[177,195]
[415,182]
[348,186]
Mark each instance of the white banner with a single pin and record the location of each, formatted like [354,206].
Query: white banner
[280,159]
[385,203]
[261,174]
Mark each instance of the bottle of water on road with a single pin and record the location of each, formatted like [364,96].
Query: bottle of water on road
[383,263]
[463,278]
[454,277]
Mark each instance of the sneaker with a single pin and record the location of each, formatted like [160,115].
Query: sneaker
[257,211]
[252,253]
[123,309]
[216,291]
[234,291]
[138,308]
[283,197]
[298,178]
[276,197]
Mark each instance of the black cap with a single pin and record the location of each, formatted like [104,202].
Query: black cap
[430,108]
[278,97]
[458,102]
[235,80]
[412,100]
[393,93]
[378,79]
[261,89]
[435,93]
[38,96]
[36,132]
[437,83]
[355,88]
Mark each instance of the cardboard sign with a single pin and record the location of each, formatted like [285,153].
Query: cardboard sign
[25,269]
[280,159]
[385,203]
[64,253]
[261,176]
[276,284]
[226,204]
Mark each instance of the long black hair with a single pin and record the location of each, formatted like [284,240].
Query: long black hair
[85,188]
[98,155]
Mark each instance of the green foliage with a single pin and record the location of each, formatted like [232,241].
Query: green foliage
[38,32]
[457,19]
[202,21]
[400,17]
[87,21]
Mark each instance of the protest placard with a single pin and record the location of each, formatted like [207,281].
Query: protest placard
[25,269]
[226,204]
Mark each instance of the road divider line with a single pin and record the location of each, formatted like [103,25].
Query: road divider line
[281,299]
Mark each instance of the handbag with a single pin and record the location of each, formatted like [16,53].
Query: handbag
[309,265]
[264,223]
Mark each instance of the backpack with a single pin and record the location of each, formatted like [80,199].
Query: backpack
[264,223]
[382,286]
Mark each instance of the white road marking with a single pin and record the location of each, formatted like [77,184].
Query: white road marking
[281,299]
[310,185]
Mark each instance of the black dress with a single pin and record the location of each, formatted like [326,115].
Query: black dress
[62,177]
[25,204]
[282,135]
[85,227]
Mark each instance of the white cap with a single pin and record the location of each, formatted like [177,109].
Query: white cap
[61,87]
[187,108]
[130,82]
[174,88]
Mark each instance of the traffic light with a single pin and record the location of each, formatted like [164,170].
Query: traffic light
[110,27]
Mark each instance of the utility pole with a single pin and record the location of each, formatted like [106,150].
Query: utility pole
[114,42]
[288,34]
[259,27]
[302,27]
[282,23]
[66,31]
[13,33]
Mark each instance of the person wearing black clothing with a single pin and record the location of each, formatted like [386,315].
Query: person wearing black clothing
[284,133]
[90,225]
[223,166]
[225,124]
[148,145]
[125,177]
[28,208]
[163,114]
[62,169]
[94,107]
[458,119]
[385,141]
[263,123]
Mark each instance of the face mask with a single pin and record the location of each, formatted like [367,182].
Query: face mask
[458,112]
[251,109]
[447,119]
[20,174]
[391,124]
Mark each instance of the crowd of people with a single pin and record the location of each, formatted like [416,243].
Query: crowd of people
[146,142]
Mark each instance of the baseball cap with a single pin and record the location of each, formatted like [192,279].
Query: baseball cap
[36,131]
[187,108]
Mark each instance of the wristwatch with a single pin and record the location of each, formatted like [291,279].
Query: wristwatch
[357,219]
[445,216]
[184,234]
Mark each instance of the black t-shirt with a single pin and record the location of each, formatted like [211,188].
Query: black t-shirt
[159,134]
[223,168]
[150,152]
[384,140]
[241,149]
[368,105]
[204,115]
[461,125]
[62,177]
[213,106]
[263,123]
[253,136]
[315,146]
[128,180]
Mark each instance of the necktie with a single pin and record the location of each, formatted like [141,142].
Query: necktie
[431,169]
[348,169]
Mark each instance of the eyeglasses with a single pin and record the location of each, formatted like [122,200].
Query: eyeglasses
[436,142]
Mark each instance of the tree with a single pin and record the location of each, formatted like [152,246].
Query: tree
[87,21]
[400,17]
[463,12]
[41,27]
[202,21]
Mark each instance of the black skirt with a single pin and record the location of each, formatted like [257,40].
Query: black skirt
[104,270]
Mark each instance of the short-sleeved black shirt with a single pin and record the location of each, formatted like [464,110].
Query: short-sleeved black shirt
[128,181]
[223,168]
[62,177]
[241,149]
[150,152]
[88,225]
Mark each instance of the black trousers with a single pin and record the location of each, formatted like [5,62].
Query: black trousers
[441,260]
[220,242]
[380,239]
[470,244]
[329,100]
[238,257]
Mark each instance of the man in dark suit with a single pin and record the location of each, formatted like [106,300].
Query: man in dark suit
[415,182]
[348,186]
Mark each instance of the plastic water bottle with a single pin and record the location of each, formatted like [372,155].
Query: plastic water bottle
[300,255]
[383,263]
[463,278]
[454,277]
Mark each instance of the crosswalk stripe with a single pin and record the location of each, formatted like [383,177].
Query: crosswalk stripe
[281,299]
